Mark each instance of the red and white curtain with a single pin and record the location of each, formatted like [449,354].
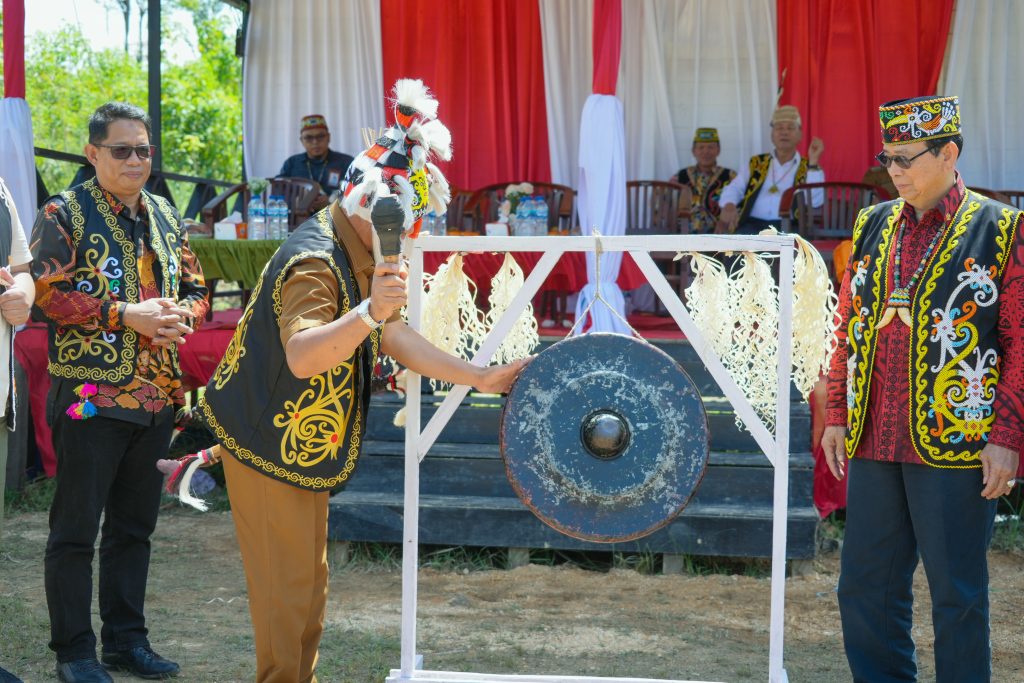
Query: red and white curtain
[17,154]
[512,77]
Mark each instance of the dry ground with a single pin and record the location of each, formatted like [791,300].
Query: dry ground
[536,619]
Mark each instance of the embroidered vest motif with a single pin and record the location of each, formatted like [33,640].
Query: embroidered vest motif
[304,432]
[954,346]
[107,269]
[705,192]
[760,166]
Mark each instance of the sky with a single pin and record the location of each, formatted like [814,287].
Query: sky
[105,27]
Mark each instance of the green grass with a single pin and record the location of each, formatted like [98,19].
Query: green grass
[35,497]
[350,656]
[1008,534]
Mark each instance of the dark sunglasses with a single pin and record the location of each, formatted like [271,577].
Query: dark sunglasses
[122,152]
[314,138]
[903,162]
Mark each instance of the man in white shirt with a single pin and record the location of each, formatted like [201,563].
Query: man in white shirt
[750,202]
[15,304]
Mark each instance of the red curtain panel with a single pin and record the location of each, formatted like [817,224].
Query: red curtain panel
[484,61]
[606,45]
[14,48]
[842,59]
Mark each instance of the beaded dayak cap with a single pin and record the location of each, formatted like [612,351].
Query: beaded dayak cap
[705,135]
[313,122]
[919,118]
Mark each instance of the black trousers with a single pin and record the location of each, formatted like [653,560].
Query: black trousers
[896,513]
[106,466]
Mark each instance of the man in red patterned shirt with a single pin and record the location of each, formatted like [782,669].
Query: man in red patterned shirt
[120,289]
[926,398]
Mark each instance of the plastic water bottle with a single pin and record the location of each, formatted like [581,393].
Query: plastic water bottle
[272,217]
[521,228]
[286,219]
[440,224]
[257,219]
[541,211]
[280,219]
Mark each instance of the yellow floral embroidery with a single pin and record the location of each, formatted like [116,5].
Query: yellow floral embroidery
[275,470]
[72,343]
[315,423]
[863,353]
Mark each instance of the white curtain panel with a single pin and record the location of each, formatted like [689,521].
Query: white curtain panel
[984,69]
[692,63]
[310,57]
[602,205]
[17,158]
[566,30]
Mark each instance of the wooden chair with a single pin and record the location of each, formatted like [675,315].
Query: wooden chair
[831,223]
[485,202]
[298,193]
[1016,198]
[993,194]
[834,219]
[459,214]
[652,208]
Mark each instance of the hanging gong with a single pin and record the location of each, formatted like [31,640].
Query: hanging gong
[604,437]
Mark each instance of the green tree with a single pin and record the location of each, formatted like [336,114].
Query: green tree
[201,99]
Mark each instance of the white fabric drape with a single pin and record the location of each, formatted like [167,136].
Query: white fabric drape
[983,68]
[692,63]
[310,57]
[568,71]
[602,204]
[17,157]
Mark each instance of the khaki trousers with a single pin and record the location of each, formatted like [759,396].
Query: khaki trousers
[282,533]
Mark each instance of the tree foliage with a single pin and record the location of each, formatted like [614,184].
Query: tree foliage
[67,79]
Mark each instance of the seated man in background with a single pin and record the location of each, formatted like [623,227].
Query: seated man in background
[319,162]
[704,180]
[750,203]
[878,176]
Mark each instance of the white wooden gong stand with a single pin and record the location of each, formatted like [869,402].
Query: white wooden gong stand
[775,448]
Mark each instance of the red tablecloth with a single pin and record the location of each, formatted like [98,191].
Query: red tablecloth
[568,275]
[199,357]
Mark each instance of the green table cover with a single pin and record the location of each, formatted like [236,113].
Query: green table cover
[234,260]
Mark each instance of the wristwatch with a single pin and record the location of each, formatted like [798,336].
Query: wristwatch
[363,309]
[813,167]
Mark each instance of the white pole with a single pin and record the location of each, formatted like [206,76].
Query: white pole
[411,505]
[780,504]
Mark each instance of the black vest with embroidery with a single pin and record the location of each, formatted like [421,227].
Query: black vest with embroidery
[760,166]
[106,268]
[304,432]
[954,346]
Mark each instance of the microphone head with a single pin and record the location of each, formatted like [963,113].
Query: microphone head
[388,220]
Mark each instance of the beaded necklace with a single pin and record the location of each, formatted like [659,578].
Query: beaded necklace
[899,299]
[774,189]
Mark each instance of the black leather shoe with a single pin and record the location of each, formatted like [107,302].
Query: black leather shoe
[83,671]
[142,662]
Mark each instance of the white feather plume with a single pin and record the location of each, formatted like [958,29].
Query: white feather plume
[406,195]
[371,186]
[412,93]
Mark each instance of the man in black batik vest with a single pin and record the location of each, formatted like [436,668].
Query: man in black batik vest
[120,289]
[750,203]
[288,402]
[925,399]
[705,180]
